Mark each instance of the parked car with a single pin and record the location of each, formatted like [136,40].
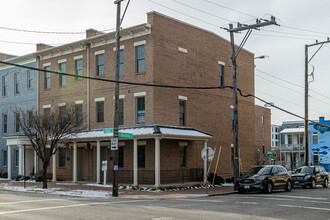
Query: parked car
[266,179]
[310,176]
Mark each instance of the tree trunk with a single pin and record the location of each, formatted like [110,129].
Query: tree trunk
[44,175]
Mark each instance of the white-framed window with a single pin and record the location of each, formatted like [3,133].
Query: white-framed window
[17,83]
[4,86]
[315,158]
[4,157]
[29,79]
[315,138]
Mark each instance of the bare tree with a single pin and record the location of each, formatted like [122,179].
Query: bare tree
[50,129]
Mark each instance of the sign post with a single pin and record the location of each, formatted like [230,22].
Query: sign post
[104,169]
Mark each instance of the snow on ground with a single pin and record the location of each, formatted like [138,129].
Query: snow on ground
[99,185]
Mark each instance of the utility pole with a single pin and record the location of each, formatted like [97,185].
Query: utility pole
[306,95]
[232,30]
[116,116]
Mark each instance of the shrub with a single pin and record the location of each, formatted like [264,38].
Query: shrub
[229,180]
[26,178]
[18,178]
[39,178]
[217,180]
[4,175]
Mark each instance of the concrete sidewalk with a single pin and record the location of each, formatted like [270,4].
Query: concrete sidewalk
[85,189]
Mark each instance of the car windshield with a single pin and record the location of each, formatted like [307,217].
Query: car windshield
[259,170]
[304,170]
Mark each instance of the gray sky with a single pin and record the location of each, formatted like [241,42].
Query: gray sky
[282,78]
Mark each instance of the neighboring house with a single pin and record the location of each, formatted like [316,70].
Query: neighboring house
[262,135]
[319,150]
[19,89]
[275,135]
[170,127]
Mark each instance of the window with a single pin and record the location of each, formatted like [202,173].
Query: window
[232,119]
[272,136]
[30,118]
[79,71]
[79,114]
[220,75]
[183,156]
[141,119]
[263,149]
[17,83]
[315,138]
[121,62]
[315,158]
[62,77]
[272,128]
[100,65]
[140,59]
[262,119]
[16,162]
[141,157]
[47,117]
[61,162]
[120,156]
[290,139]
[5,160]
[17,116]
[4,86]
[47,78]
[121,112]
[4,123]
[30,79]
[182,112]
[100,111]
[62,113]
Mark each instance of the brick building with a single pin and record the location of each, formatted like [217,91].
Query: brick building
[170,126]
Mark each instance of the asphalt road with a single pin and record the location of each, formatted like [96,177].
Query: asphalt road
[297,204]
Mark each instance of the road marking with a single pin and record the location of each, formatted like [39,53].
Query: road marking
[297,197]
[305,207]
[201,200]
[252,203]
[28,201]
[68,206]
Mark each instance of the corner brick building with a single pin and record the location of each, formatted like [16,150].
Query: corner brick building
[170,126]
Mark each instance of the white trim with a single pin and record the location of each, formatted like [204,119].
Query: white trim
[61,104]
[101,99]
[140,94]
[221,63]
[182,50]
[99,52]
[183,143]
[120,97]
[47,106]
[180,97]
[78,57]
[61,61]
[78,102]
[120,48]
[139,43]
[121,144]
[141,143]
[47,64]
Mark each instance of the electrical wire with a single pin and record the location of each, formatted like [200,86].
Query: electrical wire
[27,43]
[46,32]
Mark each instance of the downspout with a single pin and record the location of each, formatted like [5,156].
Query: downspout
[88,86]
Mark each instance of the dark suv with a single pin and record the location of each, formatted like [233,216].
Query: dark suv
[265,178]
[310,176]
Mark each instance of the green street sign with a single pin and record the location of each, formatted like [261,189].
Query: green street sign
[270,154]
[120,134]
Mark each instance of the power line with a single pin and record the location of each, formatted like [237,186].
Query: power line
[26,43]
[231,9]
[45,32]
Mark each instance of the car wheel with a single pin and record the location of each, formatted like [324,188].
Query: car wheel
[326,182]
[313,184]
[288,186]
[269,188]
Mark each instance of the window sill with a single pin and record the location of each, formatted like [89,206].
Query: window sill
[141,73]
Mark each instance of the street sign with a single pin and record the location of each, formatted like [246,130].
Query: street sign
[104,165]
[108,130]
[114,143]
[120,134]
[270,154]
[210,154]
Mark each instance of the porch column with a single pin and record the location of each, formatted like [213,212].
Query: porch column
[35,162]
[157,162]
[98,162]
[20,160]
[205,162]
[54,167]
[74,175]
[135,164]
[9,161]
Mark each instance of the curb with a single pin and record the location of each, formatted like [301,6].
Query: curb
[222,194]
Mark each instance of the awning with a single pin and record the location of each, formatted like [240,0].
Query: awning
[292,131]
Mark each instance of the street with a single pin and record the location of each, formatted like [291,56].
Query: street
[297,204]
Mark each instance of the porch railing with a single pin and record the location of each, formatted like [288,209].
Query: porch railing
[292,147]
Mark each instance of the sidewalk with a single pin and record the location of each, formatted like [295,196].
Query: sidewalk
[92,190]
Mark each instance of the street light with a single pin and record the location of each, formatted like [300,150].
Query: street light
[259,57]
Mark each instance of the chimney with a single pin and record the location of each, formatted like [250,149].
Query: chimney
[92,33]
[42,46]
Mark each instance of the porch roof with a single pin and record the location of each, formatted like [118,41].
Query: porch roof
[148,131]
[293,131]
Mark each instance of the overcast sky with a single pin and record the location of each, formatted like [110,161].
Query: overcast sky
[279,79]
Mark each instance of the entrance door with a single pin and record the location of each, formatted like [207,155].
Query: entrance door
[80,163]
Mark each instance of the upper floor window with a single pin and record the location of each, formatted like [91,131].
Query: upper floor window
[140,59]
[79,114]
[5,123]
[17,83]
[121,62]
[4,86]
[79,70]
[141,119]
[100,111]
[315,138]
[29,79]
[121,111]
[62,113]
[290,139]
[220,75]
[17,118]
[182,112]
[100,65]
[262,119]
[47,78]
[62,69]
